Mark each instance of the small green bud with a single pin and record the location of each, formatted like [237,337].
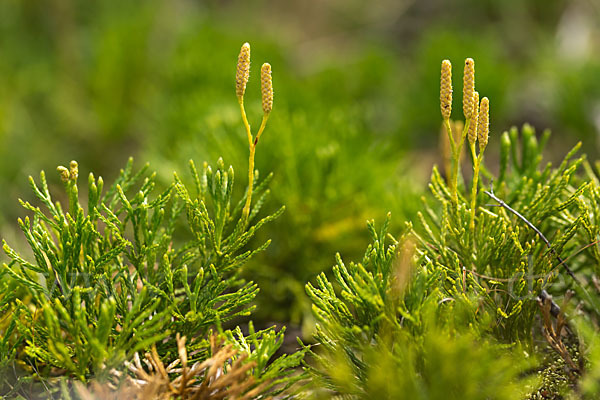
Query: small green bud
[73,170]
[64,173]
[100,183]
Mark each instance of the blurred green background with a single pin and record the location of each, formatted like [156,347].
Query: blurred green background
[355,127]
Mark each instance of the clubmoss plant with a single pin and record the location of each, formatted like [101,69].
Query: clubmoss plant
[132,269]
[507,258]
[479,242]
[480,271]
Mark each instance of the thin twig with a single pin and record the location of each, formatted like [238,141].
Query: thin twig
[545,276]
[562,262]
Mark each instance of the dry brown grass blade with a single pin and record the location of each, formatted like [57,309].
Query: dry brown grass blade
[227,374]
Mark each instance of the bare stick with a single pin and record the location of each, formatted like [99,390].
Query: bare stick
[491,194]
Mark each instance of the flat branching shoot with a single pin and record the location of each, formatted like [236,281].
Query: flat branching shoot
[83,287]
[386,316]
[208,270]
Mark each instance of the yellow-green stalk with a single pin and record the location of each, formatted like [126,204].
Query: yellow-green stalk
[472,136]
[483,130]
[447,155]
[266,84]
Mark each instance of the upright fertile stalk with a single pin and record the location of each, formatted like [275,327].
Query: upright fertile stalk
[266,84]
[446,108]
[241,80]
[472,136]
[483,129]
[468,89]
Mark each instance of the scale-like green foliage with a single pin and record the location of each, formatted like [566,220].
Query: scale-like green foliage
[139,266]
[383,332]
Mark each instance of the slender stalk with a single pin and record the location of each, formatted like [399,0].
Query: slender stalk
[252,146]
[253,143]
[450,135]
[491,194]
[245,119]
[262,128]
[266,85]
[246,210]
[476,164]
[456,160]
[452,151]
